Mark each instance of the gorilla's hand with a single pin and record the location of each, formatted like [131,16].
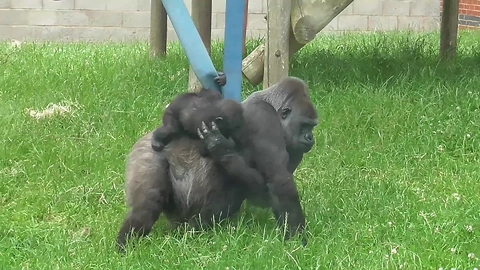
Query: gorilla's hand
[223,152]
[221,79]
[216,143]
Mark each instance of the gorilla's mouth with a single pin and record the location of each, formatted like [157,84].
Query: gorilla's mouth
[307,146]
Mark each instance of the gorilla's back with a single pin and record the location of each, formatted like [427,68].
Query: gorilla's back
[198,184]
[145,168]
[187,169]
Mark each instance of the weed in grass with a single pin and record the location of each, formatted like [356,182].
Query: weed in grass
[392,182]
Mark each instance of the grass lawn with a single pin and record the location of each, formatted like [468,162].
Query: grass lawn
[393,181]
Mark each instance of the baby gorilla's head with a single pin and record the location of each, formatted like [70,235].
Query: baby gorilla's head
[230,122]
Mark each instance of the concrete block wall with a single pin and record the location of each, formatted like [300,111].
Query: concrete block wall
[386,15]
[122,20]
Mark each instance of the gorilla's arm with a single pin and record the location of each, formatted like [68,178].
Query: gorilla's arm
[268,150]
[294,160]
[284,197]
[223,152]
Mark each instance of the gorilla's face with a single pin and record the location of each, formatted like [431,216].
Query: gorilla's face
[299,119]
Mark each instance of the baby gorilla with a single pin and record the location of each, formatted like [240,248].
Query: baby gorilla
[186,113]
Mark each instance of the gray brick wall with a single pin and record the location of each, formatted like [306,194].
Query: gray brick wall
[122,20]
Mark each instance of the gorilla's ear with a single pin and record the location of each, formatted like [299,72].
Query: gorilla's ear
[285,112]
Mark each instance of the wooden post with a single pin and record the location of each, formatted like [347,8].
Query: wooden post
[202,17]
[245,26]
[253,64]
[158,29]
[449,30]
[277,60]
[308,18]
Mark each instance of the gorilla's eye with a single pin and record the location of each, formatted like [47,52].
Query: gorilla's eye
[218,119]
[285,112]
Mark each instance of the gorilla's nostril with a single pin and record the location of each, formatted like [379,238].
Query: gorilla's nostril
[309,136]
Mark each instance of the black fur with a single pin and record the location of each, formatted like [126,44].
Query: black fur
[190,188]
[185,113]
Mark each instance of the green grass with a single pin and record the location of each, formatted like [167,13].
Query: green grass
[393,181]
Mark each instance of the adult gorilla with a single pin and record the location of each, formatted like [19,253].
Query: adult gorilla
[189,188]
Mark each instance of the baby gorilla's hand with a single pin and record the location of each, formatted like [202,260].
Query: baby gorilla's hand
[216,143]
[221,79]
